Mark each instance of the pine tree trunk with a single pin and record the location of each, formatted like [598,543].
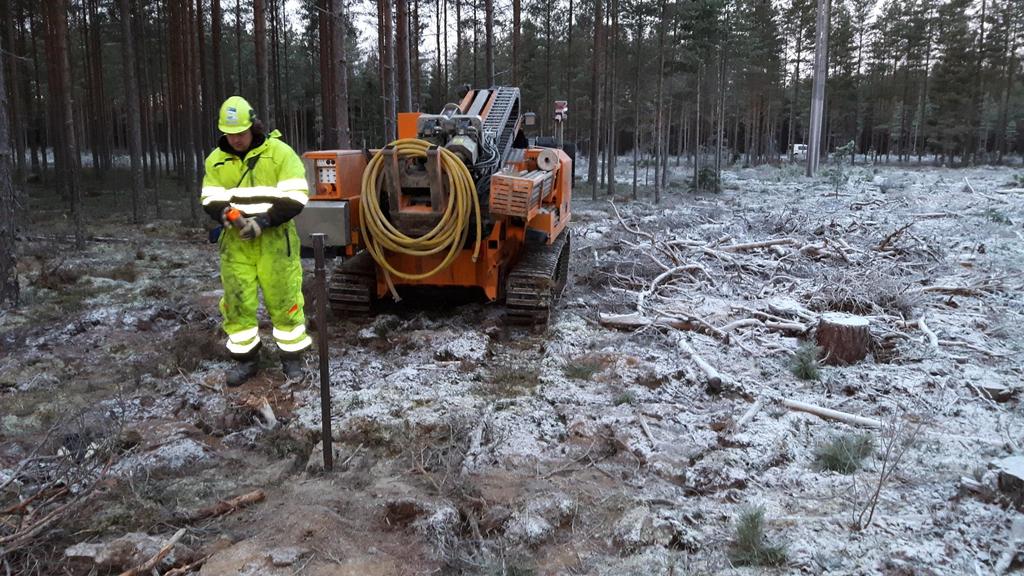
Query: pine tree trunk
[402,56]
[15,102]
[516,23]
[99,125]
[796,94]
[275,58]
[637,41]
[818,98]
[216,23]
[60,94]
[417,66]
[613,148]
[1009,53]
[569,68]
[259,17]
[721,115]
[595,100]
[343,137]
[386,39]
[546,105]
[8,262]
[238,89]
[489,41]
[659,115]
[134,116]
[458,35]
[328,72]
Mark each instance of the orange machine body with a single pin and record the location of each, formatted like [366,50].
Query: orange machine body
[516,207]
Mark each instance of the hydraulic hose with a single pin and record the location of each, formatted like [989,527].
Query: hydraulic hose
[451,231]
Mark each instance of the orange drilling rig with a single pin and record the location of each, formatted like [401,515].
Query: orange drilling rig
[460,199]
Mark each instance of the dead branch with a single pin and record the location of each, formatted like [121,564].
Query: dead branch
[647,430]
[956,290]
[933,340]
[187,568]
[748,415]
[829,414]
[227,506]
[973,347]
[884,244]
[636,321]
[153,562]
[25,534]
[741,323]
[654,242]
[755,245]
[715,378]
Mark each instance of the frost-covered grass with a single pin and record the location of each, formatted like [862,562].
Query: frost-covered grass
[750,546]
[844,453]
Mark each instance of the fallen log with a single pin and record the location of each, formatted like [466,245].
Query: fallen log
[829,414]
[226,506]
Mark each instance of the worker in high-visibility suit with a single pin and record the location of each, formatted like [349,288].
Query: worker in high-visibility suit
[263,178]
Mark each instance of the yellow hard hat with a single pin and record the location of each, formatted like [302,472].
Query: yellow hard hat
[236,115]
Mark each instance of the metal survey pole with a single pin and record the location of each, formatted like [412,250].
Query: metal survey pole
[321,328]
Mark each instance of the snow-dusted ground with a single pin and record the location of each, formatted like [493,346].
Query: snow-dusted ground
[465,446]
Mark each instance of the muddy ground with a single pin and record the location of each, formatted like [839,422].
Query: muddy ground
[465,446]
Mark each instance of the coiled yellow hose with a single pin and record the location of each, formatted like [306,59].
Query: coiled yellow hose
[449,233]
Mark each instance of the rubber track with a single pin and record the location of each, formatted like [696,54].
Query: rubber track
[353,285]
[537,281]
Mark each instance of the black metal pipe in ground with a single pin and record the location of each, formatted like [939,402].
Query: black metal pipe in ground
[325,372]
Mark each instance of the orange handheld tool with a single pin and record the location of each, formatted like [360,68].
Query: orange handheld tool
[235,217]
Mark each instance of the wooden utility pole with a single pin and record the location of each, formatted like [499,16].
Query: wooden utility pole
[818,92]
[340,66]
[8,264]
[134,114]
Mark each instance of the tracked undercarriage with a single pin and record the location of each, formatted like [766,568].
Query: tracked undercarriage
[532,287]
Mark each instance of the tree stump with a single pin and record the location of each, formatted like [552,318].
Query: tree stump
[1010,479]
[844,338]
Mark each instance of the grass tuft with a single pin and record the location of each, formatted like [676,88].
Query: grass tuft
[805,362]
[844,453]
[750,547]
[625,397]
[583,368]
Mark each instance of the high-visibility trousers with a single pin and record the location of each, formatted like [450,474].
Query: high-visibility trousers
[269,263]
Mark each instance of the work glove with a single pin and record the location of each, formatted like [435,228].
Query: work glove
[254,227]
[224,217]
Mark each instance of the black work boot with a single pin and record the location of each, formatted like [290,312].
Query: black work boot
[241,372]
[293,367]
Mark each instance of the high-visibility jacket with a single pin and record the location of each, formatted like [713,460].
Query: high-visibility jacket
[270,182]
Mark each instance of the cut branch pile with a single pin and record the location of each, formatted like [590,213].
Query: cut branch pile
[745,293]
